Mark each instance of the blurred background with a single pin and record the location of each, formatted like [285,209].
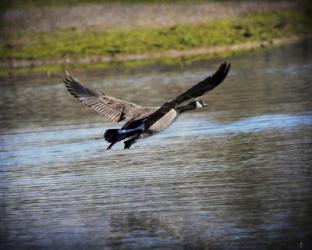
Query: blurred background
[236,175]
[50,36]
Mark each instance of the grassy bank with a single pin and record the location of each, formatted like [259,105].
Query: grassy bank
[113,42]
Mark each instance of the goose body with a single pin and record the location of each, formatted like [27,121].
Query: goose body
[164,122]
[141,122]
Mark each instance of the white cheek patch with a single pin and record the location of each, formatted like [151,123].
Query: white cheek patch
[199,105]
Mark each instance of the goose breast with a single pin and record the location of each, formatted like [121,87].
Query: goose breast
[164,122]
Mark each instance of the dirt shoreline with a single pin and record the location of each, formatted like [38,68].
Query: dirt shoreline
[170,54]
[121,16]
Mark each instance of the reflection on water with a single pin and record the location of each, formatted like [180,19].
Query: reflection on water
[234,176]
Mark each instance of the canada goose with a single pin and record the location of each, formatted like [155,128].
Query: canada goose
[142,121]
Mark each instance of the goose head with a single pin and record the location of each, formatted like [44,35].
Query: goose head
[198,104]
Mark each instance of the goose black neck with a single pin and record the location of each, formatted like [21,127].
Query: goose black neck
[185,108]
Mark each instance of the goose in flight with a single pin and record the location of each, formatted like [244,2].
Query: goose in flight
[141,121]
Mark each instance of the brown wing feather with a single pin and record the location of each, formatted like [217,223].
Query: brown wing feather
[112,108]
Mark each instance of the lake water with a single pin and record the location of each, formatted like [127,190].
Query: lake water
[236,175]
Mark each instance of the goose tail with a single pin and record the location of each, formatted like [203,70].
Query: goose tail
[113,135]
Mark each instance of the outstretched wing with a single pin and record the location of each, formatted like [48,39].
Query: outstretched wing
[197,90]
[112,108]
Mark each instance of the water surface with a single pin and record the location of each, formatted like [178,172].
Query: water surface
[236,175]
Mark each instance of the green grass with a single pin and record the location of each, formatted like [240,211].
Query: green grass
[77,43]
